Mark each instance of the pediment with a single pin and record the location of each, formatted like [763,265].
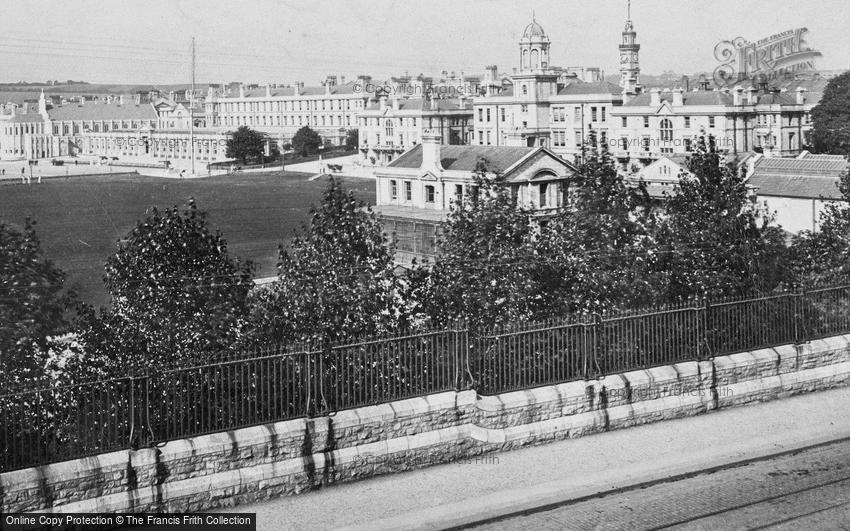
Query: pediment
[428,176]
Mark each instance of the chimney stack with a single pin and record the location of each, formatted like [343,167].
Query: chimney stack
[737,96]
[655,97]
[431,151]
[801,96]
[382,103]
[678,98]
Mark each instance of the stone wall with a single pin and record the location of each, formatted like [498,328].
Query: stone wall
[289,457]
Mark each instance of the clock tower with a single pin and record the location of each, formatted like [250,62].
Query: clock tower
[629,63]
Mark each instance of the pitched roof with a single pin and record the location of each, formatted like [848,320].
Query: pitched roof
[797,186]
[602,87]
[465,158]
[103,111]
[702,97]
[830,166]
[422,104]
[346,88]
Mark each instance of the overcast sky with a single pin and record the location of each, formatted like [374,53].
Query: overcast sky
[283,40]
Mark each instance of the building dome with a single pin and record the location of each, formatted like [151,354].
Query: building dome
[533,30]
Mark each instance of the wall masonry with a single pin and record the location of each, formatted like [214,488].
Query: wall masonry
[286,458]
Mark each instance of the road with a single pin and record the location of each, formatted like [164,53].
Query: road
[806,490]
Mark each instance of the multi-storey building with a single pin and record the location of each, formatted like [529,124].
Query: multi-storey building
[391,126]
[331,110]
[127,129]
[545,106]
[774,121]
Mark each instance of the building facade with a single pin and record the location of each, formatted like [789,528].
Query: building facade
[416,191]
[546,106]
[391,126]
[331,110]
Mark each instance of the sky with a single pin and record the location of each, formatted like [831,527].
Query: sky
[281,41]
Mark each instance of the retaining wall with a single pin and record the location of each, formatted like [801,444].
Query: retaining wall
[289,457]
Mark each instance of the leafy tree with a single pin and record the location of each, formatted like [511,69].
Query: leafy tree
[823,257]
[714,239]
[352,139]
[33,304]
[336,280]
[597,244]
[831,118]
[306,141]
[177,296]
[246,144]
[487,269]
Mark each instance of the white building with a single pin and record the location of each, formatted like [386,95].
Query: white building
[416,191]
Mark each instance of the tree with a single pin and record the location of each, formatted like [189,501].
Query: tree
[714,240]
[831,118]
[177,296]
[34,304]
[823,257]
[487,269]
[597,245]
[336,280]
[246,144]
[306,141]
[352,139]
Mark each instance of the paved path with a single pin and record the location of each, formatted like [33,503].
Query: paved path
[592,464]
[805,490]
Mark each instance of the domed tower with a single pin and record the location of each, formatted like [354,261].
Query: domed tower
[533,49]
[629,62]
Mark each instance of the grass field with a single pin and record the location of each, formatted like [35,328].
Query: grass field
[79,220]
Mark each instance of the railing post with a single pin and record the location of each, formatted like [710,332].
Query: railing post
[597,330]
[705,351]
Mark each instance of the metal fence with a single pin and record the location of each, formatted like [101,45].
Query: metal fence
[54,423]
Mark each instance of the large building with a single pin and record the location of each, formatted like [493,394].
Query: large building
[774,120]
[391,126]
[547,106]
[127,129]
[416,191]
[331,110]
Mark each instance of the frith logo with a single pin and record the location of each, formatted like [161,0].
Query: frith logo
[782,54]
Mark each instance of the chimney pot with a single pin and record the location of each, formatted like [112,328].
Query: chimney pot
[431,151]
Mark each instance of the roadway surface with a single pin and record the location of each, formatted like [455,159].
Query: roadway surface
[806,490]
[508,483]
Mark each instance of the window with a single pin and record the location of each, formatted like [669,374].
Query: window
[480,115]
[459,193]
[577,114]
[408,191]
[524,108]
[687,122]
[503,114]
[666,130]
[544,192]
[688,145]
[481,138]
[388,127]
[488,138]
[579,139]
[645,142]
[646,121]
[624,143]
[625,121]
[593,114]
[429,194]
[711,121]
[488,114]
[393,189]
[602,111]
[525,90]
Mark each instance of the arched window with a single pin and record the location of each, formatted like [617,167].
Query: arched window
[388,125]
[535,58]
[525,58]
[666,130]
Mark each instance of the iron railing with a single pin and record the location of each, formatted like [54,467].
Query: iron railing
[57,422]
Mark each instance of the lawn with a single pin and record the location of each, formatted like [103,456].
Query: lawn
[79,220]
